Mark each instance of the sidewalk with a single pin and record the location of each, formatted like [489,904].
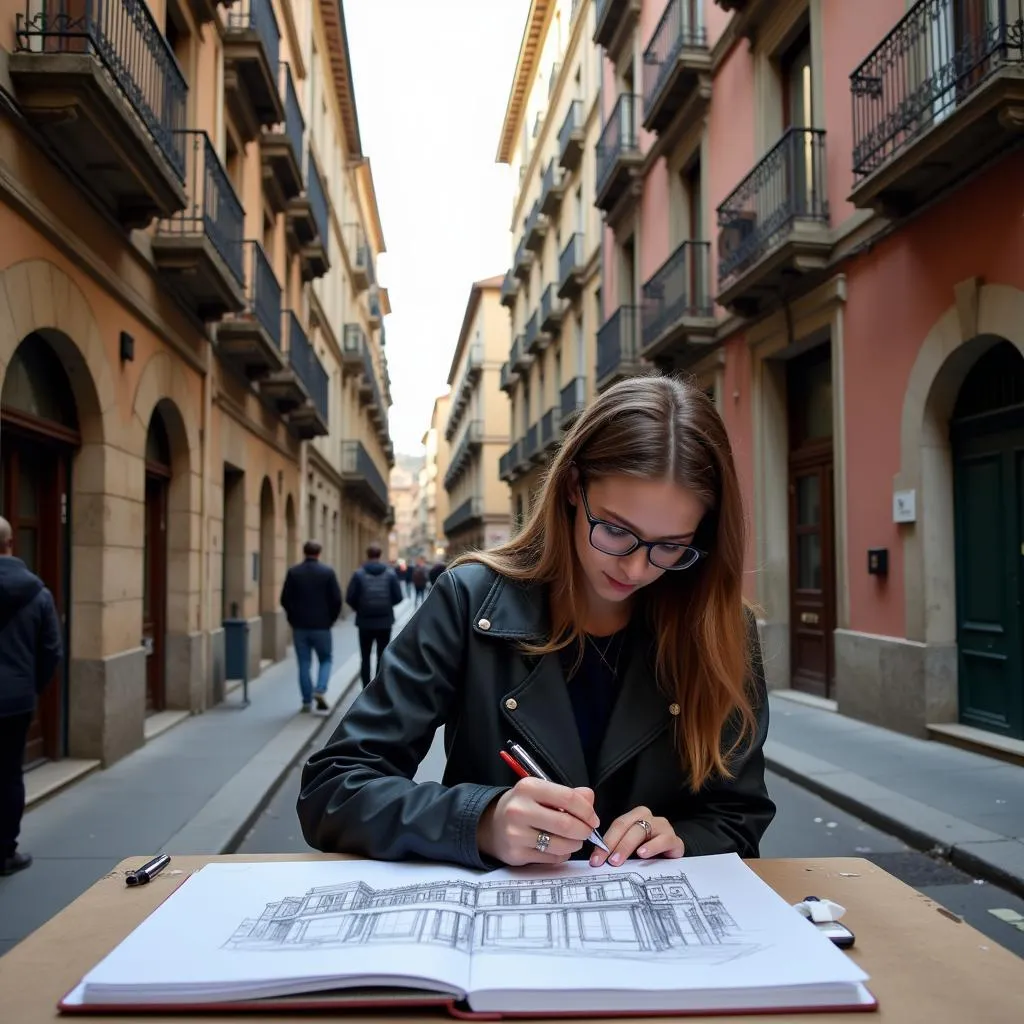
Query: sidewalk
[195,788]
[969,806]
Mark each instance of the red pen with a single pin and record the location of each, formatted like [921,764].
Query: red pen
[526,767]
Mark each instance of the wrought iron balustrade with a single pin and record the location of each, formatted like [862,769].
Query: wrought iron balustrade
[317,200]
[294,123]
[262,291]
[679,288]
[681,25]
[258,16]
[356,461]
[617,340]
[619,136]
[572,399]
[570,259]
[306,365]
[573,122]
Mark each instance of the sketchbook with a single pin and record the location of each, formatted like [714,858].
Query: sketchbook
[699,935]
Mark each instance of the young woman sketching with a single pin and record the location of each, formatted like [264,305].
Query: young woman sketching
[609,639]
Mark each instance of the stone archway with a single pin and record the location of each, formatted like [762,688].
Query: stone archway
[291,549]
[980,317]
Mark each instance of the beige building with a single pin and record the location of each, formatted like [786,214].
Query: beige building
[433,496]
[190,357]
[552,290]
[477,426]
[405,498]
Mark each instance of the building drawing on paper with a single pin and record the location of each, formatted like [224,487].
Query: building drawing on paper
[620,914]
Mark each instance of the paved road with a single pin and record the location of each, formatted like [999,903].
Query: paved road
[806,826]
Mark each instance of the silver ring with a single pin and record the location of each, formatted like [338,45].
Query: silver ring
[646,826]
[543,842]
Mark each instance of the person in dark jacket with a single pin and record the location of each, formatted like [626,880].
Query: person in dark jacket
[435,571]
[419,580]
[372,594]
[30,651]
[311,598]
[609,638]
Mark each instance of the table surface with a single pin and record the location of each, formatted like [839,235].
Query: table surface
[926,965]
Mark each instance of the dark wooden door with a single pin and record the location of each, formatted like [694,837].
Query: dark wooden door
[812,571]
[154,602]
[989,525]
[34,501]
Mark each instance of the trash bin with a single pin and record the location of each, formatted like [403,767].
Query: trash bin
[236,653]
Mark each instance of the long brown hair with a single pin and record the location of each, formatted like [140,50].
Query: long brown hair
[656,428]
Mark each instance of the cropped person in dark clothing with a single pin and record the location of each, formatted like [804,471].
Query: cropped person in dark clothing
[609,637]
[435,571]
[30,651]
[311,598]
[372,594]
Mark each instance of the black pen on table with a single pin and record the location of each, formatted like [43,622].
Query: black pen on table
[520,761]
[148,871]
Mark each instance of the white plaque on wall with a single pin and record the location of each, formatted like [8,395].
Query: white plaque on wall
[904,507]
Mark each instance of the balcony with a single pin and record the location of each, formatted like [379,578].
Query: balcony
[519,358]
[308,419]
[508,379]
[534,338]
[509,290]
[313,248]
[251,339]
[937,100]
[571,267]
[469,513]
[618,154]
[508,464]
[571,136]
[523,262]
[198,251]
[373,310]
[353,344]
[774,227]
[552,189]
[618,347]
[614,21]
[531,444]
[360,258]
[572,401]
[102,86]
[252,43]
[470,442]
[285,389]
[678,311]
[549,430]
[361,478]
[677,69]
[551,310]
[369,390]
[463,390]
[536,228]
[281,148]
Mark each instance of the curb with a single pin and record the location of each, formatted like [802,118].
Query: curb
[919,825]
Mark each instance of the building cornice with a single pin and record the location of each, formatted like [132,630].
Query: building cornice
[332,14]
[472,304]
[364,175]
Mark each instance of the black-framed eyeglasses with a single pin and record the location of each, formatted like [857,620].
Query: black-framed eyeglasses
[611,539]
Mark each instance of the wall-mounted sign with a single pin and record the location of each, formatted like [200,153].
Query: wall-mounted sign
[904,507]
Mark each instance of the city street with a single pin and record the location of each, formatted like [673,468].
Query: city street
[806,826]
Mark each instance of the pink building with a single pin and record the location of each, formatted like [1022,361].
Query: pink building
[813,207]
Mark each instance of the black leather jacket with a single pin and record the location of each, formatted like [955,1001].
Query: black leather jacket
[456,663]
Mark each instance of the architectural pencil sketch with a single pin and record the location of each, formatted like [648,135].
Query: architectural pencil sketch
[620,914]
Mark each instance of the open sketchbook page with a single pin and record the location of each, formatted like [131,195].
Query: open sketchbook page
[273,928]
[695,924]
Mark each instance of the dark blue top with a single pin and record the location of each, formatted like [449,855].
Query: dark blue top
[593,689]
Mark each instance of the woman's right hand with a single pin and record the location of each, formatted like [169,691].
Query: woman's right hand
[509,828]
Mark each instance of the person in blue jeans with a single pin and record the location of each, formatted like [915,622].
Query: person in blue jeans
[372,594]
[311,598]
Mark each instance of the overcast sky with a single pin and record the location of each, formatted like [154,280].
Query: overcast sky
[432,82]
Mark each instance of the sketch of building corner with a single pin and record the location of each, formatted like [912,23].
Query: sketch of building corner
[620,914]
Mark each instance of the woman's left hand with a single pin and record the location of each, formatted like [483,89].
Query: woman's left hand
[626,835]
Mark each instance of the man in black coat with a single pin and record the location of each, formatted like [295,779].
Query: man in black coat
[30,651]
[311,598]
[373,592]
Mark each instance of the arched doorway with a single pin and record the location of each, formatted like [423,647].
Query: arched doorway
[40,430]
[154,561]
[268,597]
[987,438]
[291,532]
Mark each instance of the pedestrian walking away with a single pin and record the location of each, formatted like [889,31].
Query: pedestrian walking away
[435,571]
[311,599]
[419,580]
[30,652]
[372,594]
[608,642]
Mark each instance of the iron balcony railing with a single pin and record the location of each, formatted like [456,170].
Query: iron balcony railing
[211,206]
[532,329]
[508,462]
[573,122]
[262,291]
[306,365]
[509,287]
[356,461]
[258,16]
[317,199]
[470,509]
[523,255]
[353,339]
[516,352]
[370,373]
[619,136]
[787,184]
[294,124]
[681,25]
[572,399]
[123,36]
[939,53]
[617,340]
[530,446]
[551,188]
[571,259]
[548,426]
[679,288]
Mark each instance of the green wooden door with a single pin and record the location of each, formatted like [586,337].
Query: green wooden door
[989,524]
